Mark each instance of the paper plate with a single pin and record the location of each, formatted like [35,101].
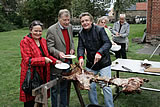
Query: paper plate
[116,47]
[62,66]
[69,56]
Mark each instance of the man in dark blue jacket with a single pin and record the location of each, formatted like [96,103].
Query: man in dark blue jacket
[94,39]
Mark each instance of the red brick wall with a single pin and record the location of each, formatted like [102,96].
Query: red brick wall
[153,19]
[141,6]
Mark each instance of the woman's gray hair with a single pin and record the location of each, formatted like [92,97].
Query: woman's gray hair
[86,14]
[63,11]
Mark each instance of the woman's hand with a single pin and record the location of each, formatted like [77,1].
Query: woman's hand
[58,62]
[47,60]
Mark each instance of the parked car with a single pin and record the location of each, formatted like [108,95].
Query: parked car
[76,25]
[140,19]
[76,29]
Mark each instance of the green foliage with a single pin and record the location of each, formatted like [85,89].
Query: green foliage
[15,18]
[10,19]
[5,25]
[43,10]
[79,6]
[9,4]
[121,5]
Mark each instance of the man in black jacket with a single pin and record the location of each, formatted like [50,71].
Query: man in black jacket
[94,39]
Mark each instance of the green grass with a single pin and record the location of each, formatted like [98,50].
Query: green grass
[10,73]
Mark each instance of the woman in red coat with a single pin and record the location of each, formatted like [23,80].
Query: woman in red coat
[35,47]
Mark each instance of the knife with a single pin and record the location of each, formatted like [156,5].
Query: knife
[93,65]
[127,69]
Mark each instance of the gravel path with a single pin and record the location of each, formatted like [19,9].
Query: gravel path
[148,49]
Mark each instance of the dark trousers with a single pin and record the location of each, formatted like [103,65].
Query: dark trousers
[63,91]
[122,52]
[29,104]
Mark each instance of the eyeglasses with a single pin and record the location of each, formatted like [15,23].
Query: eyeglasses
[37,23]
[103,22]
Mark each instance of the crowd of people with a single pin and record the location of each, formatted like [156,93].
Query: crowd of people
[94,42]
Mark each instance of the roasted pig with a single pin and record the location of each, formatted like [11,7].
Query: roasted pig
[129,85]
[84,78]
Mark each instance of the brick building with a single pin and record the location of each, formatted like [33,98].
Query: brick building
[137,13]
[153,21]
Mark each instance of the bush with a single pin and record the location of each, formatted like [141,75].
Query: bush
[5,25]
[15,18]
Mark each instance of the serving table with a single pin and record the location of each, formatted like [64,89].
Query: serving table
[133,66]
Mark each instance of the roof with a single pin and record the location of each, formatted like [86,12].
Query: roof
[141,6]
[133,7]
[138,6]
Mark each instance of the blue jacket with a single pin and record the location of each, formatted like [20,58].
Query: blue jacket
[95,40]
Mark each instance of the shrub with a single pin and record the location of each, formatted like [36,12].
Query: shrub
[5,25]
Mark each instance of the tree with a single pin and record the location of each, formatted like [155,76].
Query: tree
[94,8]
[79,6]
[11,14]
[9,5]
[44,10]
[121,5]
[5,25]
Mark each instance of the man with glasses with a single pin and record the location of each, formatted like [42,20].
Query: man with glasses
[60,42]
[121,32]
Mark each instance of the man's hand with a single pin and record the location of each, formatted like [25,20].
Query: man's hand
[72,52]
[61,54]
[97,58]
[81,63]
[113,43]
[117,34]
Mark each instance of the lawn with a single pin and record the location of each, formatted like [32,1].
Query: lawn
[10,73]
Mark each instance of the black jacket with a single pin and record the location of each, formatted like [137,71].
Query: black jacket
[95,40]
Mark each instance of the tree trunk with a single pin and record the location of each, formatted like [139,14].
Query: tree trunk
[117,7]
[116,15]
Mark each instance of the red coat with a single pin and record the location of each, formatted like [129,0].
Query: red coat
[29,49]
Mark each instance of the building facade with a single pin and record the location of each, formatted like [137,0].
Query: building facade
[153,21]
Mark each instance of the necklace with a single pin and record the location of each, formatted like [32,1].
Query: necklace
[37,42]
